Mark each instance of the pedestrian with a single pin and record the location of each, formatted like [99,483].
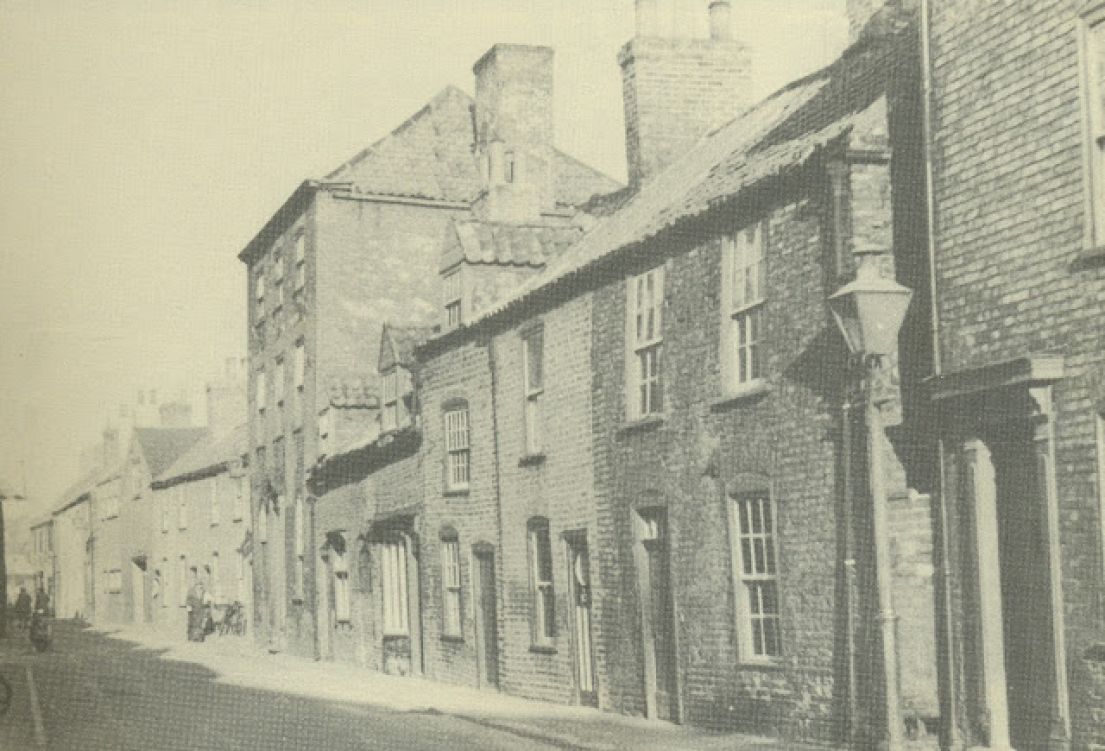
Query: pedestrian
[197,612]
[23,608]
[42,600]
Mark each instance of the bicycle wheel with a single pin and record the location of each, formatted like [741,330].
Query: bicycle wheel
[5,695]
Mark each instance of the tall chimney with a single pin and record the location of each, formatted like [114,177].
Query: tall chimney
[514,131]
[677,90]
[721,20]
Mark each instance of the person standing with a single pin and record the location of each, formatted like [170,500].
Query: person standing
[197,611]
[23,608]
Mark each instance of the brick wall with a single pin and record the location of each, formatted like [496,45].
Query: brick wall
[1011,225]
[459,373]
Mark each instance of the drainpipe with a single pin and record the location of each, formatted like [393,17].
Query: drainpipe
[949,725]
[495,448]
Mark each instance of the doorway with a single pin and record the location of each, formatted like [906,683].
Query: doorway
[138,589]
[579,585]
[487,619]
[657,614]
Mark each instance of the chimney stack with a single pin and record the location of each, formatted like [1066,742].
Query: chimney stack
[676,90]
[721,20]
[514,131]
[878,17]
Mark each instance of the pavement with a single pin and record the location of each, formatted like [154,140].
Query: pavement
[234,661]
[139,689]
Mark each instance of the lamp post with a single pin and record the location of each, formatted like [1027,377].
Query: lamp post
[869,311]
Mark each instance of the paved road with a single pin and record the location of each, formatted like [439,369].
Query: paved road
[91,693]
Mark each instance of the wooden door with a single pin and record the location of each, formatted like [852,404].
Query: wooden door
[579,578]
[487,620]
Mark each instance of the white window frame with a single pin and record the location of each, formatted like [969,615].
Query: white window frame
[452,299]
[278,382]
[542,592]
[114,581]
[241,497]
[393,568]
[389,387]
[339,566]
[451,612]
[533,386]
[214,501]
[182,507]
[743,277]
[1092,80]
[645,344]
[755,552]
[300,261]
[458,454]
[300,545]
[299,365]
[261,390]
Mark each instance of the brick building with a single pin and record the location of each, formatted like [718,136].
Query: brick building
[1016,122]
[200,513]
[344,254]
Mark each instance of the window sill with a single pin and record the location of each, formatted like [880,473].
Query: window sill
[746,391]
[452,639]
[542,649]
[772,663]
[640,425]
[532,460]
[1089,258]
[455,492]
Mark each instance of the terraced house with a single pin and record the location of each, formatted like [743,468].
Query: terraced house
[349,251]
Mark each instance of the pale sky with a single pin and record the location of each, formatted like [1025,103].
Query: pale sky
[142,144]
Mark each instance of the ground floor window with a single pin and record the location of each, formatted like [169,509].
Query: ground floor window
[541,570]
[752,520]
[450,586]
[341,586]
[393,569]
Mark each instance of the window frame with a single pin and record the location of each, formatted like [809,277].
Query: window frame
[452,608]
[543,626]
[300,245]
[458,456]
[260,391]
[645,354]
[343,602]
[743,581]
[394,596]
[259,284]
[531,391]
[1093,124]
[742,315]
[452,298]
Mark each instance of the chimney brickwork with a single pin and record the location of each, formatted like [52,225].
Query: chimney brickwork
[514,131]
[677,90]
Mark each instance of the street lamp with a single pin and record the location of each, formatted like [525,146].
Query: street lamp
[869,311]
[5,495]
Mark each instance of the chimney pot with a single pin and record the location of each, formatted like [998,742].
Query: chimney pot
[721,23]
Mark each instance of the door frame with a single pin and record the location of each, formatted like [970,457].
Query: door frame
[482,552]
[576,539]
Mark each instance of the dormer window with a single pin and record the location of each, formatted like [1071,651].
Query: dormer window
[451,295]
[389,416]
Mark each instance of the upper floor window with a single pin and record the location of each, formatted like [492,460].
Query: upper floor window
[451,297]
[166,497]
[259,294]
[753,535]
[300,261]
[214,500]
[241,496]
[541,580]
[299,365]
[533,386]
[181,508]
[742,299]
[456,447]
[450,585]
[278,279]
[278,382]
[324,430]
[1093,47]
[389,417]
[645,383]
[261,389]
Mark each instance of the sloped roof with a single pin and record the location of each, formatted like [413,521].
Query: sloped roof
[210,453]
[403,340]
[513,244]
[86,483]
[432,156]
[780,133]
[162,446]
